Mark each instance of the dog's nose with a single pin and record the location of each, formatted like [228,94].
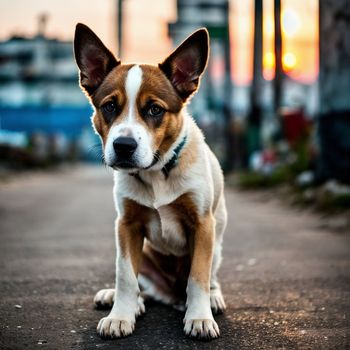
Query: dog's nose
[124,146]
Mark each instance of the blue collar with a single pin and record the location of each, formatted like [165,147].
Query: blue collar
[173,161]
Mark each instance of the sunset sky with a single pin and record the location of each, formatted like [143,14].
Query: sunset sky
[145,30]
[299,33]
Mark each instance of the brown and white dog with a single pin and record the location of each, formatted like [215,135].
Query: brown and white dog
[168,189]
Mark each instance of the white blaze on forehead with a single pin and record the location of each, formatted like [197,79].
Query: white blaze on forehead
[132,86]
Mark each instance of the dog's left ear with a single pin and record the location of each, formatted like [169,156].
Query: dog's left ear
[94,60]
[186,64]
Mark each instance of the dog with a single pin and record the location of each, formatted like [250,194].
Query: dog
[168,185]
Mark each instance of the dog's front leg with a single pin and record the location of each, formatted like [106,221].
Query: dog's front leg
[199,321]
[121,320]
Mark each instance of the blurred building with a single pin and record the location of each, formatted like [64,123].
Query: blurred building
[213,104]
[38,71]
[39,91]
[214,15]
[38,86]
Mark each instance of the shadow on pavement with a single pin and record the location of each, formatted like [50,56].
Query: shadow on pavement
[160,327]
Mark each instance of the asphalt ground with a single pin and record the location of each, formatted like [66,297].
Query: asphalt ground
[285,277]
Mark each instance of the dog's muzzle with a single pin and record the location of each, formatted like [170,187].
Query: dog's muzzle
[124,148]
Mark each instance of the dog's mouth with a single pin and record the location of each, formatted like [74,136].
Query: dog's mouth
[130,164]
[124,164]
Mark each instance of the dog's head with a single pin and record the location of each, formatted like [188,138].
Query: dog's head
[138,107]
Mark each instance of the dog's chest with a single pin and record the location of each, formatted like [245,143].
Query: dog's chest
[165,228]
[163,193]
[166,232]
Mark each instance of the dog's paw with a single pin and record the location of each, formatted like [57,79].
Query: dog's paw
[202,329]
[140,306]
[217,302]
[110,327]
[104,298]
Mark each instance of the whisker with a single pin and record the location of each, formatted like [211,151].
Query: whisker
[97,151]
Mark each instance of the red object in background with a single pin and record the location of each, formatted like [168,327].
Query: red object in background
[295,126]
[269,156]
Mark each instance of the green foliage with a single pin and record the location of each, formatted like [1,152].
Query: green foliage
[254,179]
[328,201]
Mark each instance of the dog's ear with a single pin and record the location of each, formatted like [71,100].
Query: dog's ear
[186,64]
[94,60]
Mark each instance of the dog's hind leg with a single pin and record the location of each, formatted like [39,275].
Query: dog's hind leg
[217,302]
[163,278]
[104,299]
[150,290]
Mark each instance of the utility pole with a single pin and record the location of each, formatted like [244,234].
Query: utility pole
[120,26]
[278,58]
[257,56]
[230,148]
[42,24]
[255,113]
[333,122]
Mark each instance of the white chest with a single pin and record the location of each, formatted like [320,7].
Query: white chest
[164,230]
[155,194]
[166,233]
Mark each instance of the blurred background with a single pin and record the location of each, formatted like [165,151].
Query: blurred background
[274,103]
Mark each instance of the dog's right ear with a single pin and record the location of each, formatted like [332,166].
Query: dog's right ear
[94,60]
[186,64]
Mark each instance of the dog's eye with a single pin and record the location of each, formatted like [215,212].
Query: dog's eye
[155,111]
[109,107]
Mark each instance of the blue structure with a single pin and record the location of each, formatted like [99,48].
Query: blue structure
[69,121]
[40,97]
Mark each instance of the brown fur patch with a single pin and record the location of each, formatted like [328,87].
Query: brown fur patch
[131,231]
[189,155]
[202,253]
[186,212]
[112,87]
[201,235]
[156,84]
[157,88]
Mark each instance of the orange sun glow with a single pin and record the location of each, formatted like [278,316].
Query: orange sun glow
[299,21]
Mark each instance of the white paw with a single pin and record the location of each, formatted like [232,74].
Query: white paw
[217,302]
[201,328]
[140,306]
[104,298]
[110,327]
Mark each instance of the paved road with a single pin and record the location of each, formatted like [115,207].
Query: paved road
[286,281]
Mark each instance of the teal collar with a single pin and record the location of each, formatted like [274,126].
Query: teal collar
[173,161]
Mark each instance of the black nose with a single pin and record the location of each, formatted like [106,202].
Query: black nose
[124,146]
